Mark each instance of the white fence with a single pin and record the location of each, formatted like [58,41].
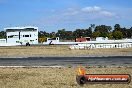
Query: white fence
[92,46]
[2,40]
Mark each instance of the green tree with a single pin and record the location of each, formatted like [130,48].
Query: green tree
[95,34]
[127,33]
[78,33]
[124,32]
[69,35]
[103,34]
[92,26]
[110,35]
[88,32]
[43,34]
[117,27]
[102,30]
[61,34]
[2,34]
[52,35]
[117,35]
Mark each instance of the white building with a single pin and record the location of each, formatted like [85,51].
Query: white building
[101,39]
[22,35]
[52,41]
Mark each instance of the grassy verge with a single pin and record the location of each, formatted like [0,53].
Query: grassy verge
[55,77]
[63,50]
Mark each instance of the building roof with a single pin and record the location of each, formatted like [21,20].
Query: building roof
[25,28]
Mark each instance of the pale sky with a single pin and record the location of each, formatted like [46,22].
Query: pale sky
[52,15]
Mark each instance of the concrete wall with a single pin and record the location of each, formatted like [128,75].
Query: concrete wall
[93,46]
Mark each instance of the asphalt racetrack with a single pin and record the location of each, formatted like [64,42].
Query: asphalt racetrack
[67,61]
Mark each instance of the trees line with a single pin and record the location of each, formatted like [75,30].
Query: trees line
[93,31]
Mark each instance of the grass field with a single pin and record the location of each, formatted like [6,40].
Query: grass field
[55,77]
[56,50]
